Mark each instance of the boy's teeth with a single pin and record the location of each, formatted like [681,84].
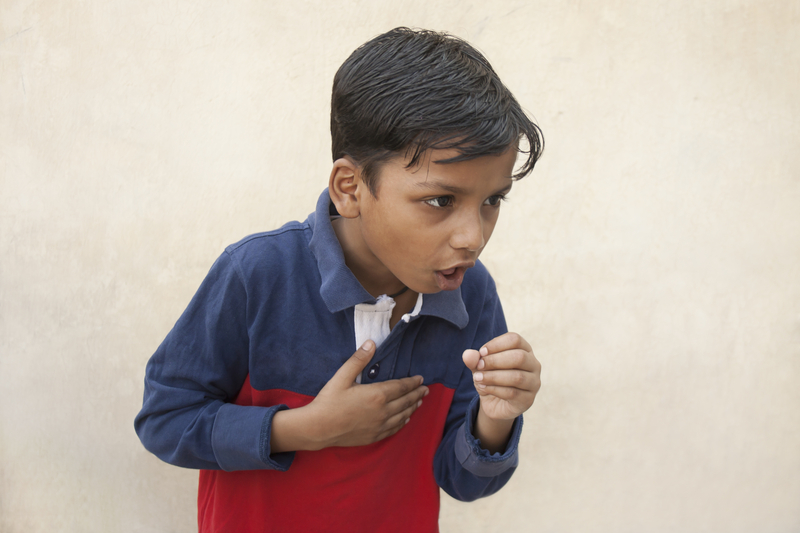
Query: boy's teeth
[448,271]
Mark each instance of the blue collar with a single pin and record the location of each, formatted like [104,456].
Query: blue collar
[341,290]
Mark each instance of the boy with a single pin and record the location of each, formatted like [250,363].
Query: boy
[257,385]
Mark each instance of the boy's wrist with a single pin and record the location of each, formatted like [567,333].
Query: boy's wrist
[492,433]
[296,430]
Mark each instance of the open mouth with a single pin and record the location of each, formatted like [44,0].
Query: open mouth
[450,279]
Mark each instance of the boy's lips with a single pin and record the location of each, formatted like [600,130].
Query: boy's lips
[451,278]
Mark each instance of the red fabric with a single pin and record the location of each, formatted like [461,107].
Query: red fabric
[386,486]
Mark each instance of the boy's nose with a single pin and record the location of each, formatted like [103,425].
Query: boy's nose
[468,233]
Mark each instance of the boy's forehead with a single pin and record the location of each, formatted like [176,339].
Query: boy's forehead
[432,173]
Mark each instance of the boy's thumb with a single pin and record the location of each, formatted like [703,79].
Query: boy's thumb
[471,358]
[356,364]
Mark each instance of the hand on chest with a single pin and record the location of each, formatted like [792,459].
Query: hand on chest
[302,356]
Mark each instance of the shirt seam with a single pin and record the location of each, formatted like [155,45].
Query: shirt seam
[299,226]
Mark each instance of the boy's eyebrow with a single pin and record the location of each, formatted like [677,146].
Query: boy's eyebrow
[454,188]
[507,188]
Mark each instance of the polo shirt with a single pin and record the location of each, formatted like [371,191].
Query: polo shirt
[272,322]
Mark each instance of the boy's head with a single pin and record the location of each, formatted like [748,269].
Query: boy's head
[409,91]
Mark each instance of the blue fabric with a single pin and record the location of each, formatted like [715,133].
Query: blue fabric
[474,458]
[278,306]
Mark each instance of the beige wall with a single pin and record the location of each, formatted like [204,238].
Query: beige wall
[652,259]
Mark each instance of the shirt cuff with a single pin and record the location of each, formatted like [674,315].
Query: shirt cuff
[241,439]
[475,459]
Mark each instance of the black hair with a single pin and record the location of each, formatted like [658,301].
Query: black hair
[409,91]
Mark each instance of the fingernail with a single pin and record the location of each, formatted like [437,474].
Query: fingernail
[421,380]
[367,346]
[477,376]
[427,391]
[484,351]
[480,386]
[408,420]
[419,403]
[481,364]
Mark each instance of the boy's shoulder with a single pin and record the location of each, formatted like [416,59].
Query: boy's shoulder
[282,249]
[286,234]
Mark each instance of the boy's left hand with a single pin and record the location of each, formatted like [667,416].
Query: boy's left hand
[506,376]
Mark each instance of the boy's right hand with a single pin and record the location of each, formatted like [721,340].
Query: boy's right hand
[346,413]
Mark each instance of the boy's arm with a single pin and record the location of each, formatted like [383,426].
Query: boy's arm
[507,378]
[478,453]
[187,418]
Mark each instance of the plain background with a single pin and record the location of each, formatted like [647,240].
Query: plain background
[652,259]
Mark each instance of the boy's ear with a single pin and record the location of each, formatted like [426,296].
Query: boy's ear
[344,187]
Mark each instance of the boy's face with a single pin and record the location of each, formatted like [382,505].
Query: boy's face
[428,224]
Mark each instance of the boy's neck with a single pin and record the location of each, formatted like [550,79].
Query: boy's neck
[369,271]
[367,268]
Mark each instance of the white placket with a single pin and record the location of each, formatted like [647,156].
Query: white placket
[371,321]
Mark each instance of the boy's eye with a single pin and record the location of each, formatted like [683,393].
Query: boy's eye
[494,200]
[440,201]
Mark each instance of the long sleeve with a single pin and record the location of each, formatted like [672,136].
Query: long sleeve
[461,467]
[187,418]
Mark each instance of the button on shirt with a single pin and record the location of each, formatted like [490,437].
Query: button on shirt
[277,315]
